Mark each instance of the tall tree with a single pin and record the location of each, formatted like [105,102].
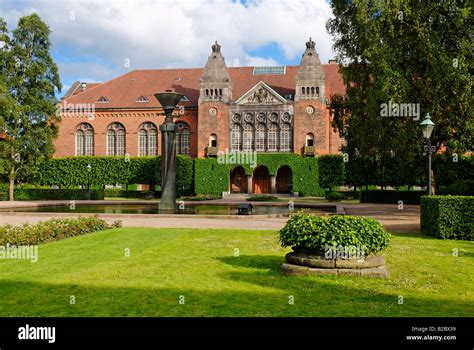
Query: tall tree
[27,103]
[404,51]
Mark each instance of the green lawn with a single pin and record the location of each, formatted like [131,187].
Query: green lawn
[200,265]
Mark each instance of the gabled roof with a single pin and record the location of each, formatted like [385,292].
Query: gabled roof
[122,91]
[261,85]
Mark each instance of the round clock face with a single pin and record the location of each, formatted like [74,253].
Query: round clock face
[309,109]
[212,112]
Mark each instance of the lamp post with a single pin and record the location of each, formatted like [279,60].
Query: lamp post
[168,101]
[427,126]
[89,169]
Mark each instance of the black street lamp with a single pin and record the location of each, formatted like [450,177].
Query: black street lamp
[168,101]
[89,169]
[427,126]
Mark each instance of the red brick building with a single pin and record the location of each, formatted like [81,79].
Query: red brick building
[262,109]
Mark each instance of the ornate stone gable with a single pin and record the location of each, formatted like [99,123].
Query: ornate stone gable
[261,93]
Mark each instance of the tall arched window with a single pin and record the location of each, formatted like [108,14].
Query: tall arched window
[84,140]
[273,137]
[115,140]
[182,138]
[147,139]
[309,140]
[248,137]
[260,137]
[285,138]
[236,137]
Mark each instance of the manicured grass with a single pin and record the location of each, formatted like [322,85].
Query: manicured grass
[200,265]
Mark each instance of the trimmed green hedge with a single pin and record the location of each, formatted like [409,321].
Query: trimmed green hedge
[213,178]
[36,194]
[131,194]
[261,198]
[72,171]
[391,196]
[331,171]
[448,217]
[316,233]
[52,230]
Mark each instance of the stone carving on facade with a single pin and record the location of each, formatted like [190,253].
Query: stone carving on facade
[261,96]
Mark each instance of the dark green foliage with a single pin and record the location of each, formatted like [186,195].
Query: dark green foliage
[458,188]
[131,194]
[448,217]
[201,197]
[52,230]
[184,175]
[213,178]
[262,198]
[391,197]
[29,81]
[331,171]
[402,52]
[334,196]
[318,232]
[72,171]
[36,194]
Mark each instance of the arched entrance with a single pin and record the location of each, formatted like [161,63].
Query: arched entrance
[284,180]
[238,180]
[261,180]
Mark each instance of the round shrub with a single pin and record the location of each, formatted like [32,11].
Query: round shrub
[315,233]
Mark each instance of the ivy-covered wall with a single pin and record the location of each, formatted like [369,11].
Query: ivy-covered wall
[210,177]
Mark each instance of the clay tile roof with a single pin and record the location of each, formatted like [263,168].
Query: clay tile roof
[125,90]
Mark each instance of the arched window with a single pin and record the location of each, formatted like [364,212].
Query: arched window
[312,90]
[236,137]
[147,139]
[303,90]
[260,137]
[213,140]
[273,137]
[248,137]
[84,140]
[182,138]
[309,140]
[207,92]
[317,90]
[115,140]
[285,138]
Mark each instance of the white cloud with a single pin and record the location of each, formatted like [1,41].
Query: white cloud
[260,61]
[174,33]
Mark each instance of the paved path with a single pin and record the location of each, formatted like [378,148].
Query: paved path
[394,219]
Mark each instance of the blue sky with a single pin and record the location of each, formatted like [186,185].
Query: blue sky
[94,40]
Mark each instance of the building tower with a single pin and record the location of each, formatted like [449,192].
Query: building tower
[311,115]
[215,92]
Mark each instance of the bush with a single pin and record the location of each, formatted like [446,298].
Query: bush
[458,188]
[334,196]
[261,198]
[52,230]
[35,194]
[315,233]
[200,197]
[448,217]
[331,171]
[390,196]
[131,194]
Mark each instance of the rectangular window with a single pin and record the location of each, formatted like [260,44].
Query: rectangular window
[152,143]
[120,143]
